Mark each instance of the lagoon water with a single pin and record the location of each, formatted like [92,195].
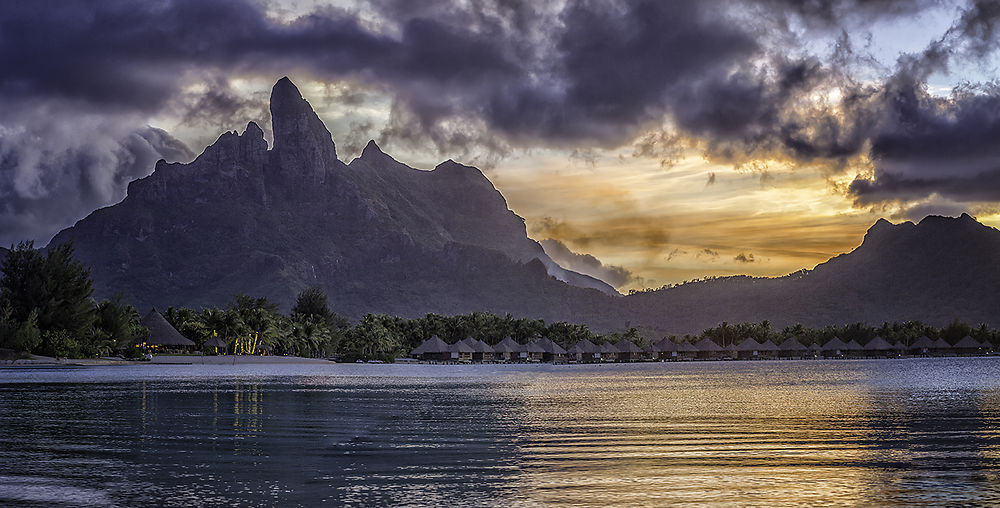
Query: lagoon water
[806,433]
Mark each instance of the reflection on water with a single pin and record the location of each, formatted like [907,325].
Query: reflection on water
[892,432]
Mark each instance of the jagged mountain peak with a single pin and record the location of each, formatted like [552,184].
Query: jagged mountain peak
[304,148]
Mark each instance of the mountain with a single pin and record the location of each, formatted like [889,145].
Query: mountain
[935,271]
[378,235]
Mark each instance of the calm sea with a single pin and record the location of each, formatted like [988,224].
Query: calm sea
[810,433]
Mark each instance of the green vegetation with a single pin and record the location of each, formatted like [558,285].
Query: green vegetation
[901,333]
[46,307]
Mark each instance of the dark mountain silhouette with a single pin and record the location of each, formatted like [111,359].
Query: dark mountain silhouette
[935,271]
[378,235]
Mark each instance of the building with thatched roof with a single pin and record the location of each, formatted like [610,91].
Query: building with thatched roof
[686,350]
[461,352]
[664,348]
[432,349]
[532,352]
[791,347]
[880,347]
[507,350]
[584,352]
[609,353]
[481,351]
[922,346]
[834,347]
[551,352]
[968,346]
[747,348]
[628,351]
[162,335]
[768,349]
[707,348]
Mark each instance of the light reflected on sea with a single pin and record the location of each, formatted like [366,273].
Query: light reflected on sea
[842,433]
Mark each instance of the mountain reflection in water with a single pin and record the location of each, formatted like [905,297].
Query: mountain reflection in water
[889,432]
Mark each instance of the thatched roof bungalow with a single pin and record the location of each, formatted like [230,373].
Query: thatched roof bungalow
[162,334]
[791,347]
[481,351]
[628,351]
[835,347]
[508,350]
[551,352]
[968,346]
[584,351]
[609,353]
[432,349]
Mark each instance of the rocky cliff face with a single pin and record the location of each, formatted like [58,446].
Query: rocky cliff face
[378,235]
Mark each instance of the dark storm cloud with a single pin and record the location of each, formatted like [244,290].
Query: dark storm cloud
[489,76]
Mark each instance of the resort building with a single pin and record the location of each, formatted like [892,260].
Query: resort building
[162,335]
[433,349]
[584,352]
[551,352]
[628,351]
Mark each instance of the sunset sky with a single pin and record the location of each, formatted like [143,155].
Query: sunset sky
[669,140]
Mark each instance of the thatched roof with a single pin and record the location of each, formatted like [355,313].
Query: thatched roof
[924,342]
[431,345]
[815,346]
[550,347]
[791,344]
[769,346]
[968,342]
[941,344]
[665,345]
[878,344]
[608,347]
[854,345]
[477,346]
[162,333]
[835,344]
[707,345]
[461,347]
[533,347]
[687,347]
[507,345]
[627,346]
[747,345]
[216,342]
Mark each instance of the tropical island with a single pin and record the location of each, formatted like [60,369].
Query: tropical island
[47,308]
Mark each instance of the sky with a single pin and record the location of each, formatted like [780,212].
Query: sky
[645,142]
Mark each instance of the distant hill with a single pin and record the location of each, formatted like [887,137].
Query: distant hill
[378,235]
[935,271]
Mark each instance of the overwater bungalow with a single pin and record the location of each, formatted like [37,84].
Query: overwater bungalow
[922,346]
[628,351]
[665,349]
[834,347]
[942,347]
[551,352]
[162,335]
[507,350]
[815,349]
[481,351]
[707,348]
[461,352]
[748,348]
[609,353]
[880,347]
[968,346]
[432,349]
[854,348]
[686,350]
[791,348]
[532,352]
[768,349]
[584,352]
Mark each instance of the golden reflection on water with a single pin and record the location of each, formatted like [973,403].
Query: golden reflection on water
[703,438]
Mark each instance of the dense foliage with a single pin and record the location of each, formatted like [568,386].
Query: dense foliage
[902,333]
[46,307]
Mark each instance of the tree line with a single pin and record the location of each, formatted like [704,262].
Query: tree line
[47,307]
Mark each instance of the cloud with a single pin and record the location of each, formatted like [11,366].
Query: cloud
[616,276]
[744,258]
[478,80]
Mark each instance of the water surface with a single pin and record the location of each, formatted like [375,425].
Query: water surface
[804,433]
